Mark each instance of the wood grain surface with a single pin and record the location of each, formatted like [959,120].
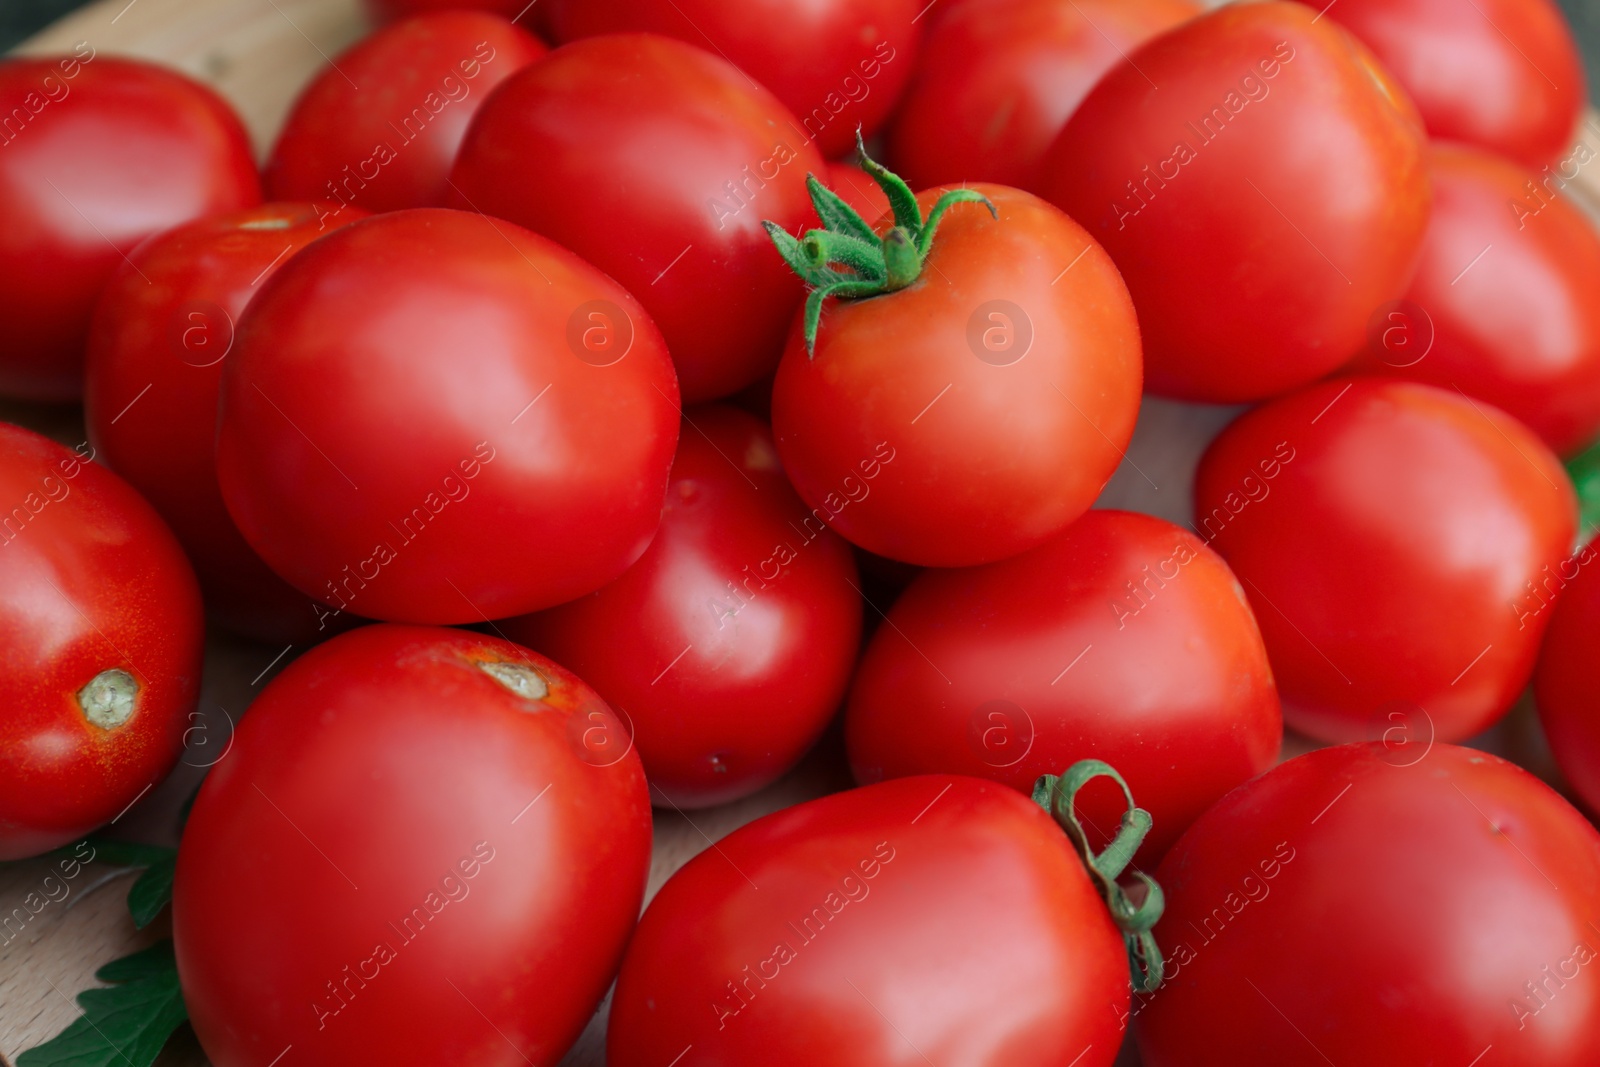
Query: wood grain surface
[259,53]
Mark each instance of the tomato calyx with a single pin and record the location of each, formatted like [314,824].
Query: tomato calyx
[1058,794]
[871,265]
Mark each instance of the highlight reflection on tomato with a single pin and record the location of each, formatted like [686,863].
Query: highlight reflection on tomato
[435,416]
[107,151]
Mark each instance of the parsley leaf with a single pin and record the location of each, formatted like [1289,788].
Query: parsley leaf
[125,1025]
[153,891]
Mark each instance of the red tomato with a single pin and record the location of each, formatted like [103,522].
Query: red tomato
[1387,534]
[139,149]
[1503,306]
[381,125]
[976,413]
[417,852]
[961,930]
[100,634]
[857,189]
[730,643]
[1564,683]
[839,65]
[1504,74]
[162,328]
[656,162]
[1261,205]
[999,78]
[1124,638]
[434,416]
[1374,904]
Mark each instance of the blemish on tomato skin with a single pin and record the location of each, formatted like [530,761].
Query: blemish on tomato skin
[520,678]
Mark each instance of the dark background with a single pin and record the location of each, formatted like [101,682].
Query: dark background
[18,18]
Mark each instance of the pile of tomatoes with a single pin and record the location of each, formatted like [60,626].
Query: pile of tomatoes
[603,398]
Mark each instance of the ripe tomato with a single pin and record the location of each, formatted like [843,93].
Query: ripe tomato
[937,919]
[838,65]
[162,329]
[435,416]
[96,154]
[656,162]
[100,634]
[998,79]
[1503,304]
[1504,74]
[1387,534]
[1564,682]
[415,853]
[1380,904]
[857,189]
[1123,638]
[381,125]
[730,643]
[975,413]
[1261,205]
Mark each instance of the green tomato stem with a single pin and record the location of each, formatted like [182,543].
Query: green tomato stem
[846,259]
[1058,795]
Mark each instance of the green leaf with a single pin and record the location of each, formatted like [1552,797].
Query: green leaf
[125,1025]
[153,891]
[155,960]
[1585,471]
[116,853]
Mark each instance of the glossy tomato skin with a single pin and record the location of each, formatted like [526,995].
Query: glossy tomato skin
[656,162]
[998,80]
[836,64]
[163,327]
[110,152]
[425,419]
[1564,682]
[390,143]
[1257,247]
[960,926]
[1504,74]
[1124,638]
[409,859]
[917,426]
[1373,904]
[1502,306]
[1388,534]
[730,643]
[96,600]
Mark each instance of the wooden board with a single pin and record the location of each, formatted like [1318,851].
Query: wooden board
[259,53]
